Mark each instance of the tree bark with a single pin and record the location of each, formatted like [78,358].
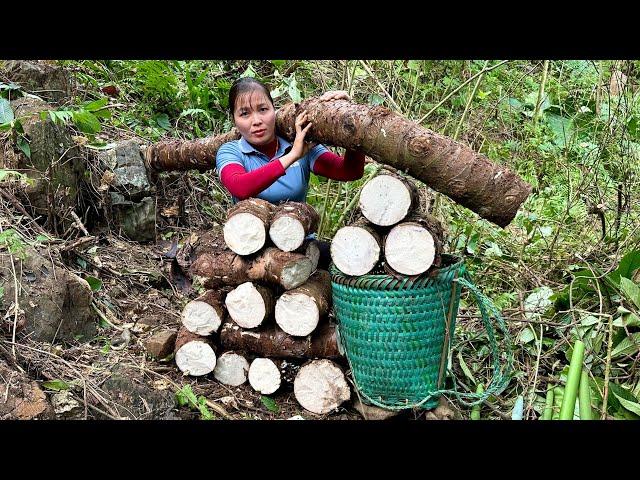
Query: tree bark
[274,343]
[287,269]
[291,223]
[493,191]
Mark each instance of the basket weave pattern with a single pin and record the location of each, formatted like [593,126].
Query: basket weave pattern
[395,333]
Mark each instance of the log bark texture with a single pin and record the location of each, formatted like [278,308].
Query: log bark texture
[493,191]
[274,343]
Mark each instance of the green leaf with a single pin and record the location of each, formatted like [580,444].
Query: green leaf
[270,404]
[94,283]
[162,120]
[6,113]
[204,411]
[293,91]
[465,368]
[42,238]
[86,122]
[518,408]
[278,63]
[628,346]
[185,396]
[627,266]
[96,104]
[626,319]
[537,302]
[561,127]
[629,405]
[23,145]
[631,290]
[527,335]
[5,126]
[56,385]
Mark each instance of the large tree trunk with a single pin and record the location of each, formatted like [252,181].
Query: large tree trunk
[298,311]
[287,269]
[469,178]
[291,223]
[273,342]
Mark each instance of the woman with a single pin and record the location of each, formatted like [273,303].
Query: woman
[264,165]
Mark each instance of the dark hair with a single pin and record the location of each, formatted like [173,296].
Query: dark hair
[244,85]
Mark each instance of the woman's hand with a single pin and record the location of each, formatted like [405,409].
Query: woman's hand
[334,95]
[300,148]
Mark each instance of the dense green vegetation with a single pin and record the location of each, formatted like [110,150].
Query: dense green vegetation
[565,269]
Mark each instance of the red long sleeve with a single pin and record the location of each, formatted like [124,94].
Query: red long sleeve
[349,167]
[243,185]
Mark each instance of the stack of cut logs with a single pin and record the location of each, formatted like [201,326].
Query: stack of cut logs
[265,308]
[392,235]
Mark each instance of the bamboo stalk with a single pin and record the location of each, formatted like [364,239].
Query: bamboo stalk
[558,395]
[607,370]
[545,71]
[573,381]
[548,406]
[469,100]
[585,397]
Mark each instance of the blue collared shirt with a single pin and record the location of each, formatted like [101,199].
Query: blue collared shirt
[293,185]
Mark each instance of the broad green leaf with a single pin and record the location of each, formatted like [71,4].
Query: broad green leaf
[628,346]
[627,266]
[375,99]
[278,63]
[94,283]
[96,104]
[23,145]
[631,290]
[629,405]
[5,126]
[270,404]
[589,320]
[561,127]
[293,91]
[494,250]
[86,122]
[6,113]
[56,385]
[162,120]
[249,72]
[527,335]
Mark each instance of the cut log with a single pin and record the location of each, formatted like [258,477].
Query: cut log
[412,247]
[204,315]
[310,249]
[274,343]
[493,191]
[291,223]
[195,354]
[245,230]
[387,199]
[231,369]
[264,376]
[273,266]
[355,250]
[249,305]
[298,311]
[321,387]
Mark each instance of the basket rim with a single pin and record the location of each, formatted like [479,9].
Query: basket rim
[389,282]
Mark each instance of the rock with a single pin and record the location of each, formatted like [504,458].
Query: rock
[133,399]
[50,82]
[55,304]
[444,411]
[371,412]
[55,165]
[137,220]
[64,404]
[129,172]
[20,397]
[161,344]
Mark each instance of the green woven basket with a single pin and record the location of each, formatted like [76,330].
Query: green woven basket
[396,334]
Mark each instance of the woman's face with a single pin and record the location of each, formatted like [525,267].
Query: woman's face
[255,117]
